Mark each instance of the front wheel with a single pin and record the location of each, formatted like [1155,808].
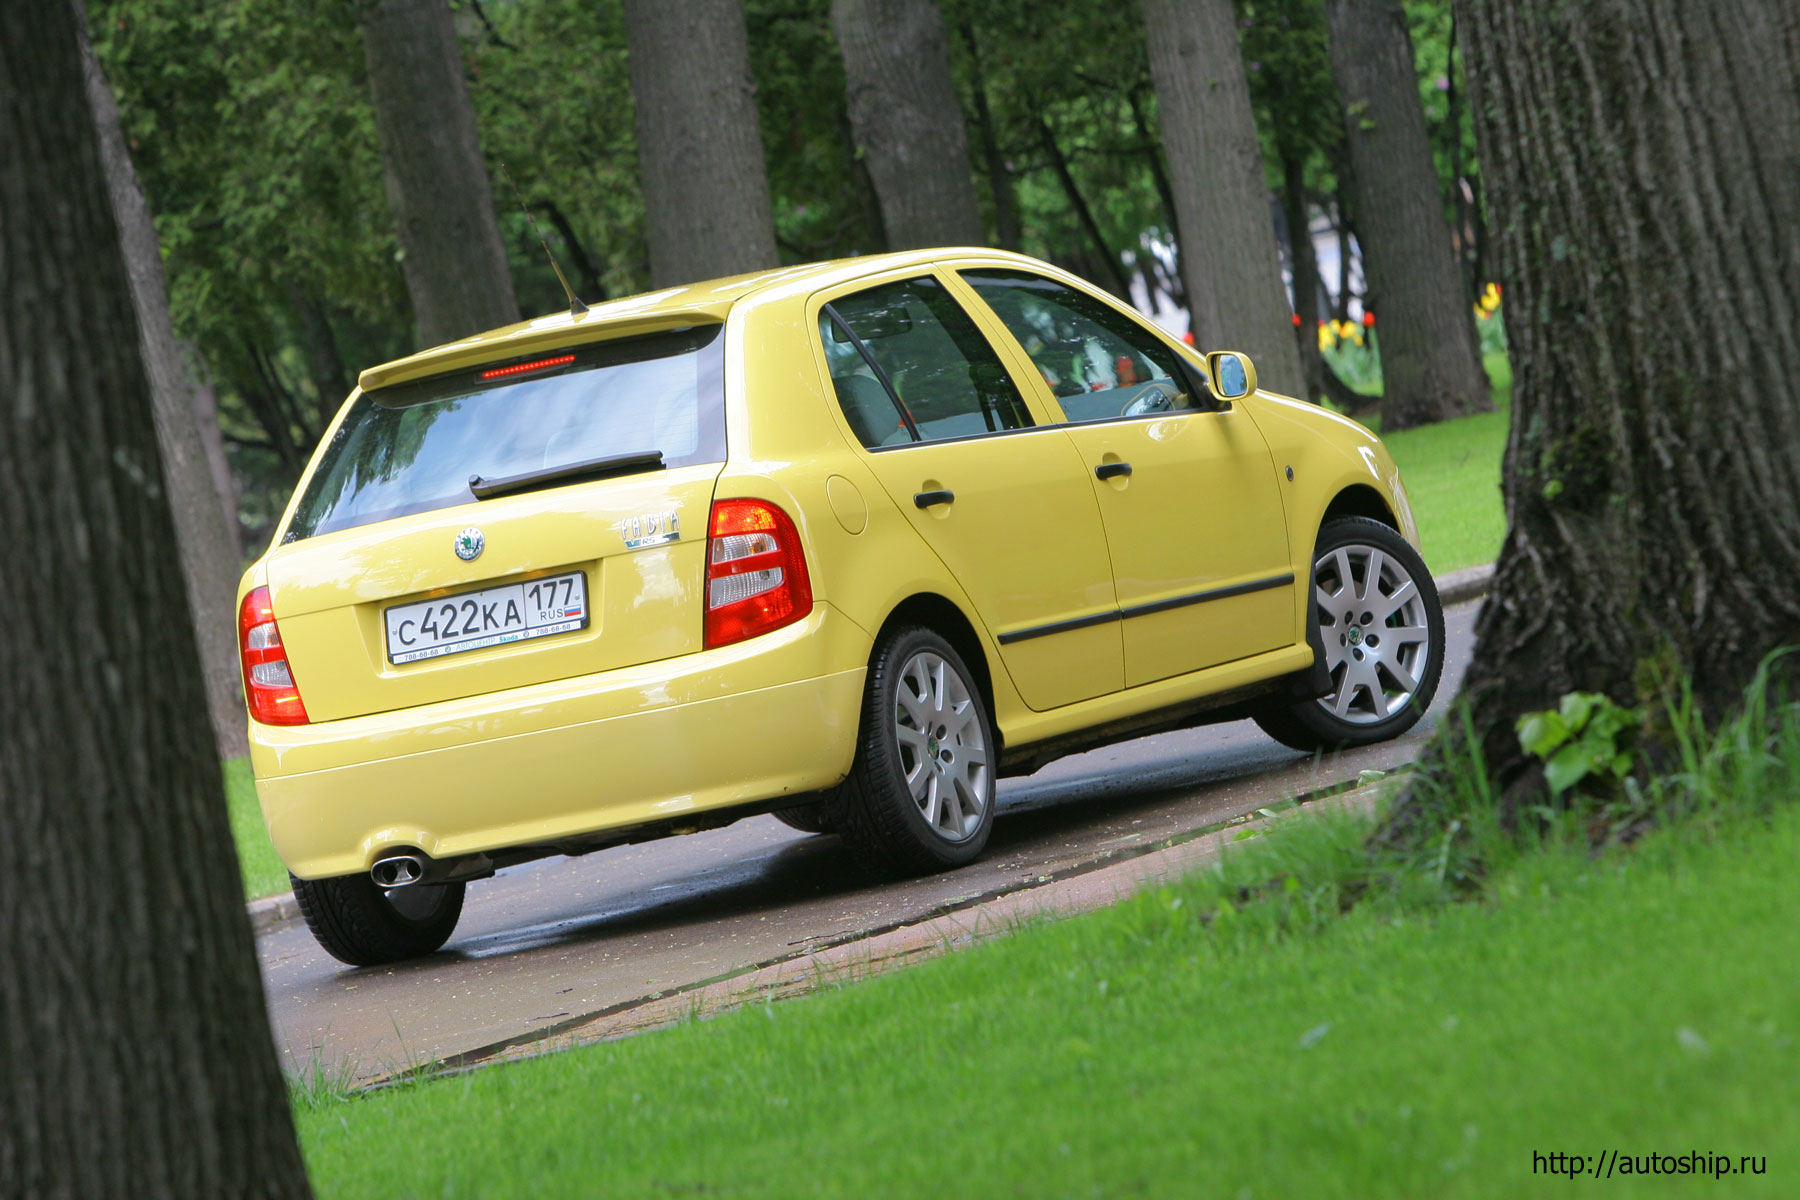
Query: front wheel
[920,796]
[365,925]
[1381,627]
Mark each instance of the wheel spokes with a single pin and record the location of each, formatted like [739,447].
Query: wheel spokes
[942,741]
[1386,606]
[1376,667]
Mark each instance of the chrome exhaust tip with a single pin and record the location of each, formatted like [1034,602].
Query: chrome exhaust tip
[397,870]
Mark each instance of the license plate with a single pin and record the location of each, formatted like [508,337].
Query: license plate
[494,616]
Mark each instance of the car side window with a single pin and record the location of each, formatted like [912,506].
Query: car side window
[909,365]
[1100,363]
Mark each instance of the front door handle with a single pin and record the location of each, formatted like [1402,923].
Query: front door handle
[1108,470]
[927,499]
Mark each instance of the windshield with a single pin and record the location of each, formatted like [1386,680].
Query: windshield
[412,448]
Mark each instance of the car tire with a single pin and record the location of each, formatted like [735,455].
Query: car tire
[1386,648]
[920,795]
[818,817]
[365,925]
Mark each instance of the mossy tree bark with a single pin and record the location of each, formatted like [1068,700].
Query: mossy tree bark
[1230,260]
[452,254]
[210,558]
[1430,355]
[137,1054]
[909,123]
[1642,162]
[700,151]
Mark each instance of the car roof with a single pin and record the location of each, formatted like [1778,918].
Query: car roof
[693,303]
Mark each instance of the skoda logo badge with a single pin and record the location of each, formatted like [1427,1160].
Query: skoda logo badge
[469,544]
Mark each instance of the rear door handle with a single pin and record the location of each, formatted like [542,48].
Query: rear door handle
[927,499]
[1108,470]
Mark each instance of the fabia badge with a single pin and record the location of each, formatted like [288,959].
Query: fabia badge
[651,529]
[469,544]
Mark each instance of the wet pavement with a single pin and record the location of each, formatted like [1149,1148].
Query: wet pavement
[546,943]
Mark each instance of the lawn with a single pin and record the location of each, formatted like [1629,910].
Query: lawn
[262,870]
[1452,473]
[1643,1002]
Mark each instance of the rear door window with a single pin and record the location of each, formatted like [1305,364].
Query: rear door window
[909,365]
[413,447]
[1100,363]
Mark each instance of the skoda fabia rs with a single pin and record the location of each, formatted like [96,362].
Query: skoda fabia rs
[843,542]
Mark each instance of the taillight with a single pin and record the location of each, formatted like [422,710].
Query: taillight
[268,683]
[755,571]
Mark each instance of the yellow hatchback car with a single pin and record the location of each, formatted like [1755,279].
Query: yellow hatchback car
[843,542]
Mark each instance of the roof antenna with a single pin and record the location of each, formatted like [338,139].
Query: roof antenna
[576,307]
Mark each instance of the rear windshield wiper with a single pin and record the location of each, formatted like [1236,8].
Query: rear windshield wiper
[593,468]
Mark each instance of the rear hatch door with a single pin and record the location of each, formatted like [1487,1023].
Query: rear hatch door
[505,524]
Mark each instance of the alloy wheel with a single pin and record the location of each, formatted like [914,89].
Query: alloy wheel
[1376,633]
[943,746]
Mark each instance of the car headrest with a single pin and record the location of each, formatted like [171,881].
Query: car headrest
[867,406]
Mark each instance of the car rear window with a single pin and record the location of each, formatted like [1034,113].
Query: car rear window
[413,447]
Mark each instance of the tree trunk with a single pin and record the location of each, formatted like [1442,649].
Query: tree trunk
[137,1049]
[908,121]
[1103,253]
[210,558]
[212,440]
[1340,303]
[1006,204]
[1159,175]
[1430,354]
[1321,380]
[1230,261]
[324,365]
[700,151]
[452,256]
[1305,274]
[1642,165]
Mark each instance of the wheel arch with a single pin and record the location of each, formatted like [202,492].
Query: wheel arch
[944,617]
[1360,500]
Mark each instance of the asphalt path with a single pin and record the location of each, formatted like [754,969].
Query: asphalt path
[550,942]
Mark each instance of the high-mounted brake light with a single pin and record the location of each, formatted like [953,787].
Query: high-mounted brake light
[268,683]
[756,577]
[521,368]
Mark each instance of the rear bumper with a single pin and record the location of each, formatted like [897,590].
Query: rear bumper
[772,716]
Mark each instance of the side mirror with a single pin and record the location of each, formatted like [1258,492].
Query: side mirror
[1231,374]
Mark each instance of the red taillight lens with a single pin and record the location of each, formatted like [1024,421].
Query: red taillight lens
[268,683]
[755,571]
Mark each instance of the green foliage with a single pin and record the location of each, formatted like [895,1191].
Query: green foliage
[251,129]
[1439,55]
[1586,735]
[824,204]
[1287,59]
[553,101]
[1071,80]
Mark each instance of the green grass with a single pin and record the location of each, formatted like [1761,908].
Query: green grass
[263,873]
[1452,473]
[1640,1001]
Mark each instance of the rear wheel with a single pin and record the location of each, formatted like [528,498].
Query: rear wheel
[920,796]
[1382,630]
[366,925]
[819,817]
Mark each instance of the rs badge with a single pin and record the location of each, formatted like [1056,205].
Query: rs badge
[651,529]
